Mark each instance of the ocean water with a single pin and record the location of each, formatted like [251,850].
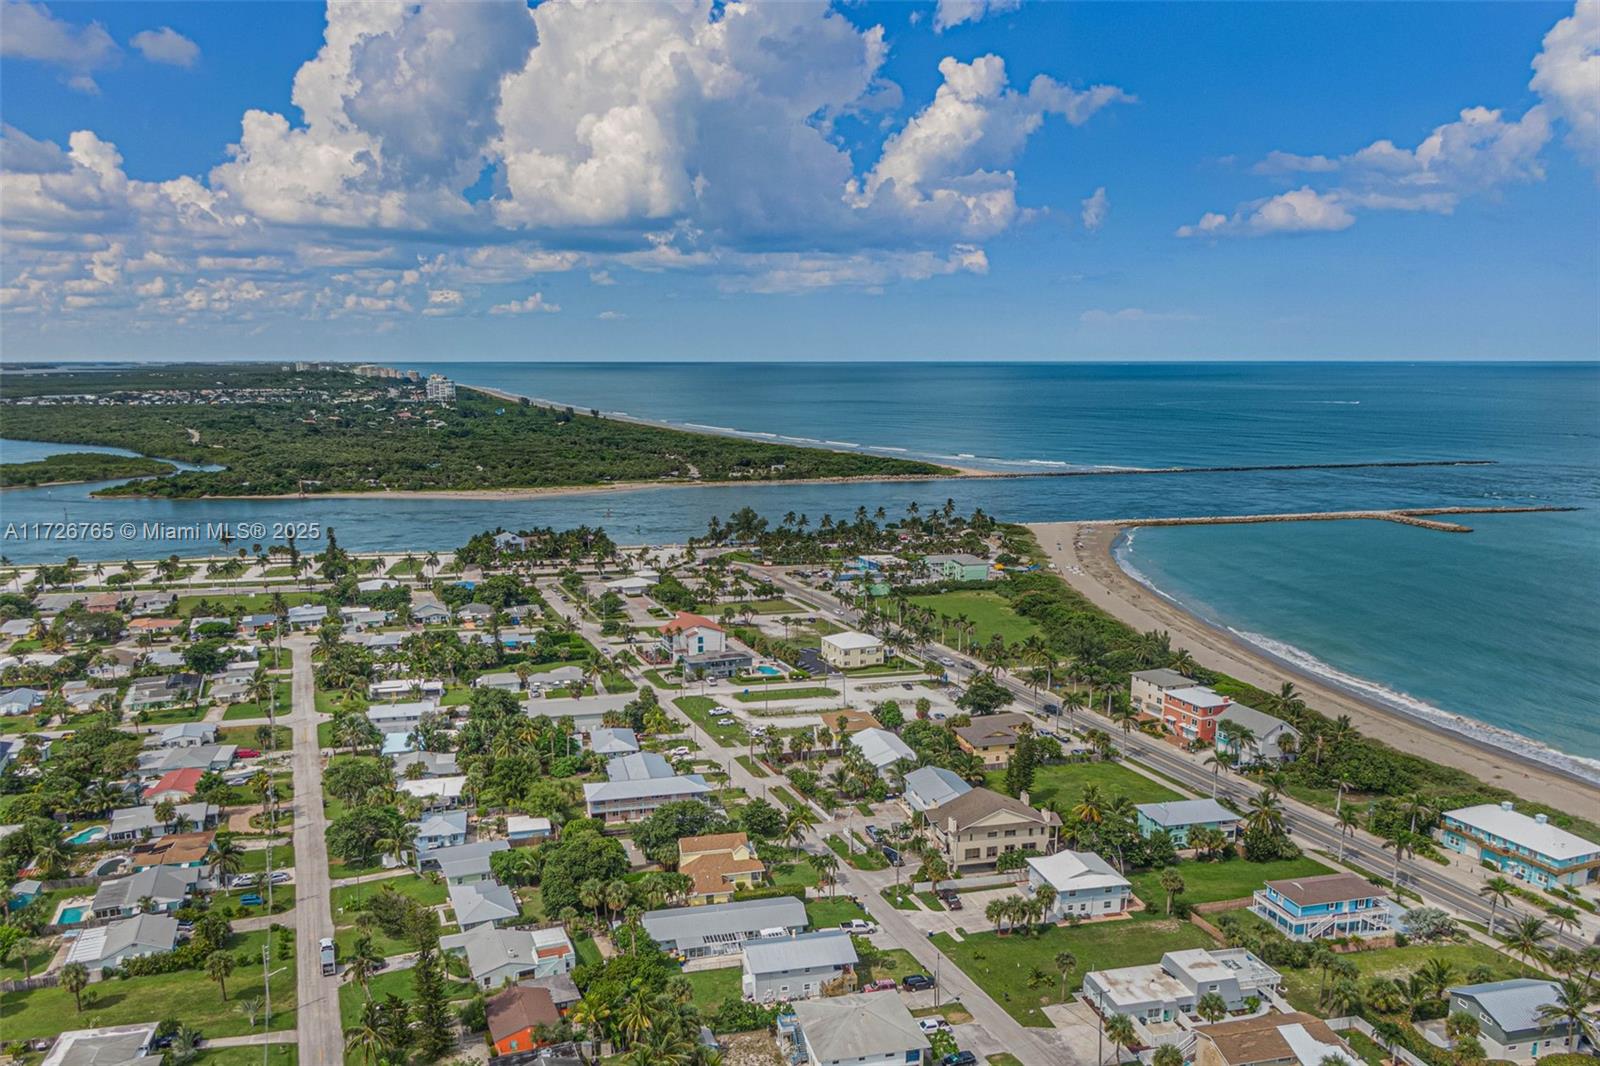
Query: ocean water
[1497,629]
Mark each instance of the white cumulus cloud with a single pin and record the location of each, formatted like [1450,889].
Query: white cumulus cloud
[32,32]
[166,45]
[1095,208]
[535,304]
[950,13]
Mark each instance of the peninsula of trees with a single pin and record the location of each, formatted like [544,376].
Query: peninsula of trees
[75,467]
[274,431]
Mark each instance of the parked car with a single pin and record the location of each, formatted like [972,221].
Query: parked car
[892,855]
[247,753]
[959,1058]
[882,984]
[908,686]
[680,752]
[251,899]
[857,925]
[281,877]
[916,982]
[724,720]
[873,834]
[945,660]
[951,899]
[929,1026]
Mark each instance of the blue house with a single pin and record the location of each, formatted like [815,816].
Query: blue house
[1529,849]
[1332,905]
[1180,816]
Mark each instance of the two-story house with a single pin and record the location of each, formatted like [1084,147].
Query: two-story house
[1174,987]
[854,1030]
[1331,905]
[1530,849]
[785,968]
[718,865]
[691,634]
[1147,688]
[1084,884]
[1511,1026]
[991,737]
[1178,817]
[977,827]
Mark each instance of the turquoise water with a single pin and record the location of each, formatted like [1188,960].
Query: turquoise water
[769,671]
[1499,626]
[84,836]
[72,915]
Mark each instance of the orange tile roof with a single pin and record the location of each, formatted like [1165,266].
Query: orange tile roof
[174,848]
[685,620]
[155,623]
[178,781]
[713,842]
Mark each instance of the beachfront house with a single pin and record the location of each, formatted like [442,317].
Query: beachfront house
[1147,689]
[691,634]
[854,1030]
[796,967]
[1178,818]
[1510,1025]
[1191,714]
[978,826]
[956,567]
[851,650]
[1253,737]
[1527,848]
[723,928]
[1173,987]
[1330,905]
[1084,884]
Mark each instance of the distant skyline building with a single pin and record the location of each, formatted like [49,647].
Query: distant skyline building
[441,388]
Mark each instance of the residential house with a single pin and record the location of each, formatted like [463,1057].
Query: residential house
[1083,882]
[474,614]
[158,762]
[166,660]
[84,699]
[429,612]
[632,800]
[928,787]
[502,680]
[140,823]
[1173,988]
[957,567]
[23,893]
[190,850]
[495,956]
[640,766]
[992,737]
[522,829]
[148,603]
[187,735]
[1510,1025]
[152,693]
[978,826]
[1529,849]
[111,945]
[1191,714]
[510,542]
[1178,817]
[515,1013]
[630,586]
[396,688]
[436,793]
[463,864]
[1147,690]
[728,662]
[609,742]
[155,628]
[482,903]
[175,785]
[1270,1040]
[691,634]
[859,1030]
[252,625]
[723,928]
[20,701]
[104,602]
[560,677]
[1268,739]
[400,717]
[359,620]
[433,763]
[439,831]
[882,749]
[113,664]
[165,887]
[719,865]
[122,1045]
[1331,905]
[851,650]
[561,987]
[307,615]
[796,967]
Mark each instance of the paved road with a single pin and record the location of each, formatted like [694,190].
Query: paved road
[1446,886]
[321,1036]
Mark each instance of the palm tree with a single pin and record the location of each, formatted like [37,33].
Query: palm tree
[366,1037]
[589,1014]
[226,854]
[1564,918]
[1212,1007]
[1344,998]
[1527,939]
[1119,1030]
[219,967]
[1171,884]
[1065,962]
[1169,1055]
[1349,821]
[1573,997]
[1265,814]
[75,978]
[1497,890]
[1437,975]
[826,864]
[362,962]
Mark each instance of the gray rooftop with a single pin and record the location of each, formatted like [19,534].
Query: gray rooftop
[859,1026]
[691,926]
[122,1045]
[808,951]
[1514,1004]
[1164,678]
[1186,812]
[482,901]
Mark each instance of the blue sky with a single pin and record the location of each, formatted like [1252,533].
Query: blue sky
[969,180]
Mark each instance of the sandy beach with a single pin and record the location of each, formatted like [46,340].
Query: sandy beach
[1082,554]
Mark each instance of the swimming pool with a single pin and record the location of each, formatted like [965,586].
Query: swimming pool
[85,836]
[71,915]
[769,671]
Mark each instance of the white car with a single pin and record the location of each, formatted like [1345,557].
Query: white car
[680,752]
[724,720]
[929,1026]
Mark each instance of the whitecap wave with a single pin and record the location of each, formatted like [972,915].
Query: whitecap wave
[1402,703]
[886,448]
[714,429]
[842,443]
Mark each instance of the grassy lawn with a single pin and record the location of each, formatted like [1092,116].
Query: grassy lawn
[755,768]
[615,681]
[404,568]
[284,703]
[39,955]
[244,736]
[1300,986]
[282,900]
[895,963]
[1003,1058]
[660,680]
[586,949]
[248,603]
[989,611]
[345,938]
[899,897]
[815,692]
[828,913]
[775,606]
[1209,882]
[700,710]
[188,995]
[785,797]
[712,987]
[429,893]
[860,860]
[401,982]
[255,860]
[280,1055]
[173,715]
[792,874]
[1002,965]
[1064,783]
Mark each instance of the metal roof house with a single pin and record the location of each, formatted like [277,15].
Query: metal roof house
[1528,848]
[797,967]
[113,944]
[928,787]
[855,1029]
[724,928]
[1177,817]
[1510,1025]
[497,955]
[1084,884]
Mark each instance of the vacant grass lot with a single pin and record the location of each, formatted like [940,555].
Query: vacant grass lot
[828,913]
[427,892]
[870,859]
[1209,882]
[1003,965]
[989,611]
[401,982]
[255,860]
[764,695]
[1064,783]
[713,987]
[1301,986]
[249,603]
[188,995]
[701,710]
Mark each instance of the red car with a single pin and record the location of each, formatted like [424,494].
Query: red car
[882,984]
[248,753]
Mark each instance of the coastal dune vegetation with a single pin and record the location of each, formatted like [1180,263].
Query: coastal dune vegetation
[277,433]
[74,467]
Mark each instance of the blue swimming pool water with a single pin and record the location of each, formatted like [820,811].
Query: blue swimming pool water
[770,671]
[84,836]
[72,915]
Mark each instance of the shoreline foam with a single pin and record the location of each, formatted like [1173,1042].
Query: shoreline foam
[1085,560]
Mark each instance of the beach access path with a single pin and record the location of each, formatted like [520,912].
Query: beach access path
[1082,555]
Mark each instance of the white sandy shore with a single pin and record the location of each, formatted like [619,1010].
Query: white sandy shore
[1085,561]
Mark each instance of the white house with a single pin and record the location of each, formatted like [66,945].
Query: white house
[115,943]
[1084,884]
[851,650]
[858,1030]
[796,967]
[691,634]
[882,748]
[497,955]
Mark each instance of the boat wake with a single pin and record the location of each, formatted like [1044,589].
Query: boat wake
[1400,702]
